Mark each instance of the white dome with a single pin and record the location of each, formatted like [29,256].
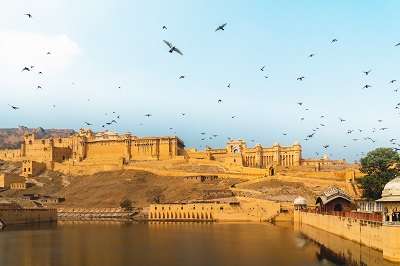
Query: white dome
[300,201]
[392,188]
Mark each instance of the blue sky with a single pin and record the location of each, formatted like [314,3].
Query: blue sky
[99,46]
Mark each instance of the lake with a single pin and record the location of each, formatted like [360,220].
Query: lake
[114,243]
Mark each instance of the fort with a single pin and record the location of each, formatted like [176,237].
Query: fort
[88,150]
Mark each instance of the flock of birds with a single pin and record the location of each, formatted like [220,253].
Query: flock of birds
[173,49]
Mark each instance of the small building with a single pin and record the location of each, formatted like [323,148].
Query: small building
[391,202]
[18,185]
[300,203]
[7,179]
[369,206]
[32,168]
[334,200]
[30,196]
[50,200]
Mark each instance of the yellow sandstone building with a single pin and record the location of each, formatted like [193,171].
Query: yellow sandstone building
[104,148]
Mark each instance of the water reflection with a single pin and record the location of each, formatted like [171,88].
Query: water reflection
[341,251]
[114,243]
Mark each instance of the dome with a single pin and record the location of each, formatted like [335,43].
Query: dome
[392,188]
[300,201]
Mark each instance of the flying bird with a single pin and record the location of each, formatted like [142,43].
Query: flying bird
[164,27]
[300,103]
[300,78]
[181,77]
[311,55]
[398,44]
[367,86]
[87,123]
[14,107]
[367,72]
[147,115]
[26,69]
[262,68]
[229,85]
[342,120]
[221,27]
[172,48]
[334,40]
[219,101]
[29,15]
[325,146]
[392,81]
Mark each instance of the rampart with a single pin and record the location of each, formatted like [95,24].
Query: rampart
[13,216]
[368,231]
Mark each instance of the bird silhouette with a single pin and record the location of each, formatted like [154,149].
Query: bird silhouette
[14,107]
[181,77]
[300,78]
[311,55]
[366,86]
[87,123]
[40,72]
[164,27]
[367,72]
[392,81]
[325,146]
[334,40]
[29,15]
[147,115]
[300,103]
[229,85]
[26,69]
[172,48]
[48,53]
[219,101]
[221,27]
[342,120]
[397,44]
[262,68]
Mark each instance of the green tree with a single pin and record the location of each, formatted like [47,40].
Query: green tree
[126,204]
[380,166]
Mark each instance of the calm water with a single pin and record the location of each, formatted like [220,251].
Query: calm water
[115,244]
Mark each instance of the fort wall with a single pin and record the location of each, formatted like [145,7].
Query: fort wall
[367,233]
[10,154]
[244,209]
[13,216]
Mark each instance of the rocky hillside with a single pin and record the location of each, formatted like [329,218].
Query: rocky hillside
[12,137]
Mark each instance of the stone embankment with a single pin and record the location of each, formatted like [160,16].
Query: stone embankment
[95,213]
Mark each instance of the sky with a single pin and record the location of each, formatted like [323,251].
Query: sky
[109,56]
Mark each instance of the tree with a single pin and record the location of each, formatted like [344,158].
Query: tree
[380,166]
[126,204]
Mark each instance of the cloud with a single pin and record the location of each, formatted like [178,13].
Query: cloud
[19,49]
